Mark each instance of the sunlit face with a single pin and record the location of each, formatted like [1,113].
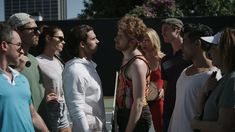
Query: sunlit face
[14,50]
[188,48]
[29,34]
[121,41]
[168,33]
[91,45]
[56,42]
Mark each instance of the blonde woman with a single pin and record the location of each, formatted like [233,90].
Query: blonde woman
[151,48]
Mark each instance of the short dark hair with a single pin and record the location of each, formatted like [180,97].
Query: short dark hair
[195,31]
[76,35]
[6,32]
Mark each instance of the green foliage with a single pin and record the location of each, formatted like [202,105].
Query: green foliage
[207,7]
[156,8]
[108,8]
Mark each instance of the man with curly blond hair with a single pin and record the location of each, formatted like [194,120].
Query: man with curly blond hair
[133,113]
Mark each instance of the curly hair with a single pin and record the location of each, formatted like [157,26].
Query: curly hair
[132,26]
[227,48]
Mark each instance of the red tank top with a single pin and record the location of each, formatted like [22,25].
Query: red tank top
[125,88]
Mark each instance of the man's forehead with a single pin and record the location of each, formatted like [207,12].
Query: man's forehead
[91,34]
[166,26]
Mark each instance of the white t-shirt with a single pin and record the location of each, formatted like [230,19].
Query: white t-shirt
[187,90]
[52,70]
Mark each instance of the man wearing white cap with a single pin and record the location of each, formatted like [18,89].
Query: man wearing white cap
[217,101]
[192,78]
[27,29]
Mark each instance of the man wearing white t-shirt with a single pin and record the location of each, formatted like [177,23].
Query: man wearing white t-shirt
[192,77]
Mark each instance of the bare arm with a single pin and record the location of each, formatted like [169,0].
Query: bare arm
[38,123]
[137,73]
[225,122]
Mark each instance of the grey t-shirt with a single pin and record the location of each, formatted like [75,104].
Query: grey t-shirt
[52,70]
[222,96]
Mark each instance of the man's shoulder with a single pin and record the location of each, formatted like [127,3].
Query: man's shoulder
[32,59]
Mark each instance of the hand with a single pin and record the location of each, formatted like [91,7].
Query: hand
[53,106]
[22,60]
[210,84]
[51,97]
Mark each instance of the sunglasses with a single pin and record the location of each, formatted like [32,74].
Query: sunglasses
[60,38]
[35,29]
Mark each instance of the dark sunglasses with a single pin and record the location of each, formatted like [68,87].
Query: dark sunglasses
[60,38]
[35,29]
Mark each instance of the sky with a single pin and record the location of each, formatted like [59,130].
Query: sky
[74,7]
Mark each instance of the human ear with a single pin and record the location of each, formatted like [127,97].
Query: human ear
[82,44]
[3,46]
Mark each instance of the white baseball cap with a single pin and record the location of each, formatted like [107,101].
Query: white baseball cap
[212,39]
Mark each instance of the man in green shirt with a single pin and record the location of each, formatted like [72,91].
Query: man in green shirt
[27,29]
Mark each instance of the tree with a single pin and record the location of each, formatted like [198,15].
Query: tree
[207,7]
[108,8]
[157,8]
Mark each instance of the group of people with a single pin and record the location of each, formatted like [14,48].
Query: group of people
[192,86]
[38,90]
[197,77]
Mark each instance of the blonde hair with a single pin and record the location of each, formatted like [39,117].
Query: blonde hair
[155,42]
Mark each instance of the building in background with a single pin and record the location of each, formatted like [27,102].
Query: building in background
[41,9]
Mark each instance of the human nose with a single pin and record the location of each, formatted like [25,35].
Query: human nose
[37,32]
[97,41]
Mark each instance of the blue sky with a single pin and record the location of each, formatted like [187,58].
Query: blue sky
[74,8]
